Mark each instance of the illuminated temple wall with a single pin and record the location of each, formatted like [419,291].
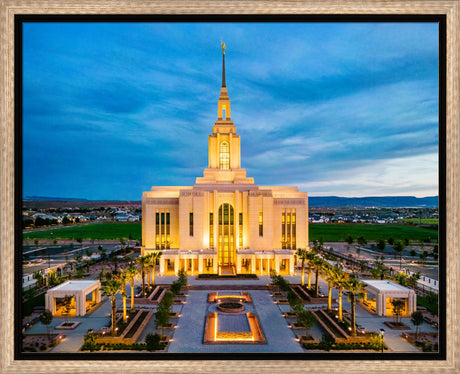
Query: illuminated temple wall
[177,220]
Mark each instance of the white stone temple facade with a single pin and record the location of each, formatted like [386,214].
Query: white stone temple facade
[225,223]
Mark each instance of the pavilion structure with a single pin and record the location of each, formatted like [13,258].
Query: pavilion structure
[85,294]
[385,292]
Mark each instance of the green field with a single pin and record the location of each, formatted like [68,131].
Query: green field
[425,221]
[329,232]
[338,232]
[99,231]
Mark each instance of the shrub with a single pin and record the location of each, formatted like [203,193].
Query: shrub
[152,342]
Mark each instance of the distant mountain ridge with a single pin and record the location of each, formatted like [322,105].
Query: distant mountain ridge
[313,201]
[47,198]
[374,201]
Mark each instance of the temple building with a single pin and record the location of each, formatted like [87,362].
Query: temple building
[225,223]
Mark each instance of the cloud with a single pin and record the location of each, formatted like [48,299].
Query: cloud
[124,106]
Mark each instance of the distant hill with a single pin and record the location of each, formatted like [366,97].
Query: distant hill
[313,201]
[46,198]
[376,201]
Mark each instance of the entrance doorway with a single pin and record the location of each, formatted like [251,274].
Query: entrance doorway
[226,239]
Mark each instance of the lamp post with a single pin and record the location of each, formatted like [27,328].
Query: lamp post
[382,331]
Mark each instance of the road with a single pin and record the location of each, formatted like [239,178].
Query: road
[430,271]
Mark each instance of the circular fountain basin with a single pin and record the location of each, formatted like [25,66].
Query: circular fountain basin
[230,307]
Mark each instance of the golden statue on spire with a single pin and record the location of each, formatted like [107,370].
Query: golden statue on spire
[223,47]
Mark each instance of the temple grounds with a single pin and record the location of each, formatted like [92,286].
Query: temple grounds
[187,337]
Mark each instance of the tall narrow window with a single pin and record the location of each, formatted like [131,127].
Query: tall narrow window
[157,230]
[162,229]
[288,229]
[283,230]
[293,232]
[191,224]
[211,230]
[224,155]
[240,229]
[261,224]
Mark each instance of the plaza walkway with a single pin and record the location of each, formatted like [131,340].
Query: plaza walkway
[188,336]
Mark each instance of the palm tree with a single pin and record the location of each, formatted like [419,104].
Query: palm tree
[154,256]
[303,255]
[131,273]
[319,266]
[111,288]
[398,246]
[122,277]
[311,263]
[148,268]
[355,290]
[339,278]
[143,263]
[329,273]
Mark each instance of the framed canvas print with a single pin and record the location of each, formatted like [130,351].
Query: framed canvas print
[255,186]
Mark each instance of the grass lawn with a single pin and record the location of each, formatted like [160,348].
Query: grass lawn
[110,230]
[425,221]
[329,232]
[338,232]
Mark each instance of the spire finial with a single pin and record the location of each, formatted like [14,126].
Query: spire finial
[223,46]
[223,64]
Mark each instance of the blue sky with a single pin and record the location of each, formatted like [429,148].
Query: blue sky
[344,109]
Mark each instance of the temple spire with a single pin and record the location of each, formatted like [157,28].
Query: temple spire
[223,64]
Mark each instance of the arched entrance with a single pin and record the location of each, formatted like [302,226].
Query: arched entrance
[226,247]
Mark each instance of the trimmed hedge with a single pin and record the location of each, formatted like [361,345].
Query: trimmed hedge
[242,276]
[115,347]
[342,346]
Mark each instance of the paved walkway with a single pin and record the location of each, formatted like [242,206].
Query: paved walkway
[188,337]
[189,334]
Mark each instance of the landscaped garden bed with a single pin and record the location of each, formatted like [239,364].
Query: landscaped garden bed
[307,339]
[40,342]
[426,341]
[136,325]
[343,346]
[67,325]
[396,325]
[282,301]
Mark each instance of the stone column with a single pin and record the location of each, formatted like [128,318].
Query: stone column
[384,304]
[291,265]
[238,263]
[277,264]
[162,265]
[253,264]
[200,264]
[214,264]
[261,270]
[80,309]
[268,266]
[176,264]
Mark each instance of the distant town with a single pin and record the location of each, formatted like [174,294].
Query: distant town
[38,213]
